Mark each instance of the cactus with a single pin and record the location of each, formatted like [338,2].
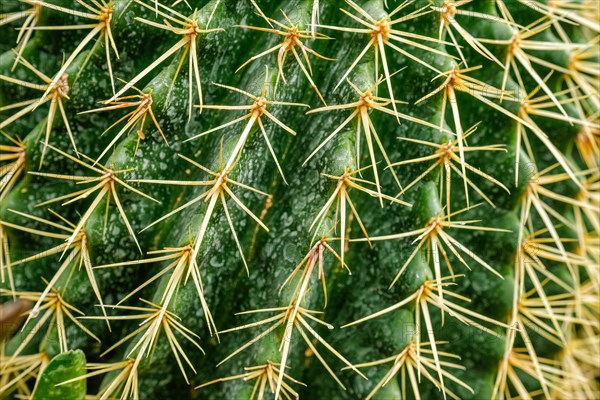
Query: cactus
[277,199]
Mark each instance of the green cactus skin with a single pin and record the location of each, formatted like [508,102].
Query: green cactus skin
[504,92]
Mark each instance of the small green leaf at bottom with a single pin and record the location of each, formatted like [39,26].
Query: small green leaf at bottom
[61,368]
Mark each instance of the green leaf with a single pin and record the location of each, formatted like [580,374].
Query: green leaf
[61,368]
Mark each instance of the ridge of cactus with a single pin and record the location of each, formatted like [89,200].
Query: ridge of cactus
[259,199]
